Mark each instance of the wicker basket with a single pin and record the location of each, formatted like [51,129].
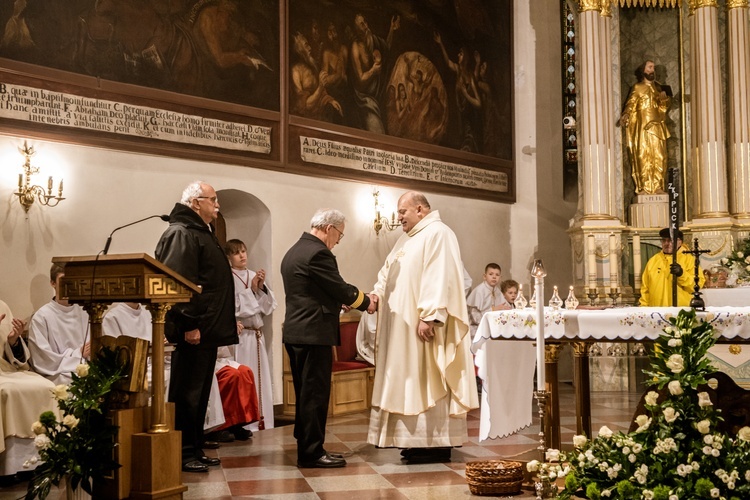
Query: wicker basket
[494,477]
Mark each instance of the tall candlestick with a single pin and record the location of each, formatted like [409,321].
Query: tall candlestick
[637,261]
[49,184]
[614,271]
[59,189]
[591,254]
[20,182]
[540,373]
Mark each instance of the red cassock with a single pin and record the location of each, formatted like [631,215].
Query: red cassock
[239,398]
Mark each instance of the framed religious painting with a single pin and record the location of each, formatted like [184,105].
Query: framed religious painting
[404,92]
[176,77]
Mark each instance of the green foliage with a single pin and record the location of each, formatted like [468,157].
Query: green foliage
[79,446]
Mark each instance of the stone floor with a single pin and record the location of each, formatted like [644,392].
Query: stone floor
[264,467]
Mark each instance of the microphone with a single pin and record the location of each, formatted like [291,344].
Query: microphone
[165,218]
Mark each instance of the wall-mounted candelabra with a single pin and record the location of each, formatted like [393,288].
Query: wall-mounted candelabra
[27,192]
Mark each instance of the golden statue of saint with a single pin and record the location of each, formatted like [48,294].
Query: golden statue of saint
[644,117]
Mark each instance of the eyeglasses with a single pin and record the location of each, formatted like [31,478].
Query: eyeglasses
[341,235]
[212,199]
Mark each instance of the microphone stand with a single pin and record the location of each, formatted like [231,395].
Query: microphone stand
[165,218]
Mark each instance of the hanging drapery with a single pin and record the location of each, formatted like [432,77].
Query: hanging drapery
[670,4]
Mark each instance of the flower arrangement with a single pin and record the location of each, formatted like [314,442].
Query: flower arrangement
[739,261]
[79,446]
[677,451]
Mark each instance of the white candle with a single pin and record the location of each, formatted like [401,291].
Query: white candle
[637,261]
[591,254]
[540,373]
[614,271]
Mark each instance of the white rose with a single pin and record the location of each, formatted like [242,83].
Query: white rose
[715,452]
[82,370]
[651,398]
[715,493]
[703,426]
[61,392]
[579,440]
[674,497]
[37,428]
[674,342]
[724,261]
[532,466]
[670,415]
[676,363]
[740,254]
[747,268]
[605,432]
[704,400]
[42,442]
[70,421]
[675,389]
[712,383]
[747,259]
[552,455]
[744,433]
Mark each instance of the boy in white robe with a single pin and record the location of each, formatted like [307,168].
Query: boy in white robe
[486,297]
[24,395]
[58,336]
[253,300]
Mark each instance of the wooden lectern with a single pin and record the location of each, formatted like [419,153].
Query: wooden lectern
[95,282]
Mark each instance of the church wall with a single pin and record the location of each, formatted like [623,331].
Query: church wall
[106,189]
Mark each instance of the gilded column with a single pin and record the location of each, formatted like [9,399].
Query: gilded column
[605,46]
[595,93]
[739,108]
[707,141]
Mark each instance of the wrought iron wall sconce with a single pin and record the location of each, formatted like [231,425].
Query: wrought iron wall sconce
[27,192]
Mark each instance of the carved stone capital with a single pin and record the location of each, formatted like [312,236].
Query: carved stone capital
[736,4]
[584,5]
[697,4]
[606,8]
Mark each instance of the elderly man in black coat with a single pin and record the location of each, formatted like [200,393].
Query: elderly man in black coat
[201,326]
[315,293]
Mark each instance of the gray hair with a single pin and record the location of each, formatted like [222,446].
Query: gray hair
[327,217]
[193,191]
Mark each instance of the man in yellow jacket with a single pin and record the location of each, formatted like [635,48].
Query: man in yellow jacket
[656,281]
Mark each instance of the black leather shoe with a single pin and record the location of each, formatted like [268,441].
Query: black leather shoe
[324,462]
[242,434]
[194,466]
[211,445]
[209,460]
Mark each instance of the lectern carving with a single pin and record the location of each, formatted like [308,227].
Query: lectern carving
[94,282]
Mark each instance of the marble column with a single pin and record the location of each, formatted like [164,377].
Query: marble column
[595,112]
[739,108]
[707,141]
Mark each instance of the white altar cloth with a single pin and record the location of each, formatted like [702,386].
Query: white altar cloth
[506,399]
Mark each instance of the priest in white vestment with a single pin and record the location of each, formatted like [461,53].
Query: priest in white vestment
[424,375]
[58,336]
[24,395]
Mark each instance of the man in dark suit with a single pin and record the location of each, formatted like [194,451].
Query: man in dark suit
[200,326]
[315,293]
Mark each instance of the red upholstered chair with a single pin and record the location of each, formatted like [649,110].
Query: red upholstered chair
[352,379]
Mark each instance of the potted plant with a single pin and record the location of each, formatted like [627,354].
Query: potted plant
[78,448]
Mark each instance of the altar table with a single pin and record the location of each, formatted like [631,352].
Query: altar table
[506,409]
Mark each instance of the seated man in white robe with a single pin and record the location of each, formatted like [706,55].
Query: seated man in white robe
[58,336]
[24,395]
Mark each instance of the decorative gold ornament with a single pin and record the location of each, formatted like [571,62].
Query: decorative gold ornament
[736,4]
[735,349]
[693,5]
[585,5]
[670,4]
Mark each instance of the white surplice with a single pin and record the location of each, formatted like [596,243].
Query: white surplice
[482,299]
[422,390]
[250,308]
[56,335]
